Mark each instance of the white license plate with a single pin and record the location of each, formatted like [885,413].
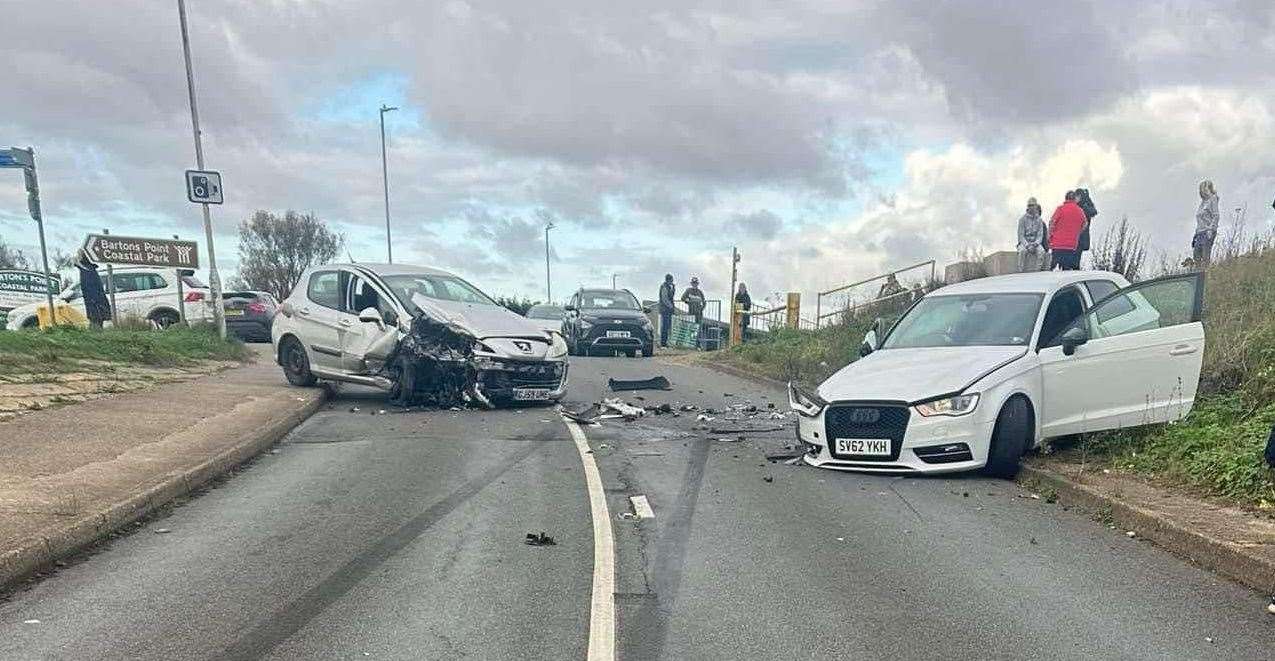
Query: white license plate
[234,313]
[867,446]
[617,333]
[531,394]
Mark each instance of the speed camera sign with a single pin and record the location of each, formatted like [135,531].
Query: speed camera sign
[203,187]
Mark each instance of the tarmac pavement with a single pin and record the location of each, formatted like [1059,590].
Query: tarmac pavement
[400,535]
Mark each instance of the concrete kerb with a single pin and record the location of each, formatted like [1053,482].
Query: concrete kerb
[1213,554]
[39,553]
[1216,555]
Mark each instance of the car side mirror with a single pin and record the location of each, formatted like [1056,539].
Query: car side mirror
[390,318]
[870,340]
[1072,338]
[864,349]
[370,316]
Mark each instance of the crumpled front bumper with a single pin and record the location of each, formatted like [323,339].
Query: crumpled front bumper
[500,378]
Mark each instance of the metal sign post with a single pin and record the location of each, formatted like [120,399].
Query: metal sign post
[181,297]
[15,157]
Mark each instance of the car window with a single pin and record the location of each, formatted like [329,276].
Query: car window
[324,289]
[1100,289]
[1149,305]
[967,320]
[363,295]
[1064,308]
[440,287]
[154,281]
[124,282]
[615,300]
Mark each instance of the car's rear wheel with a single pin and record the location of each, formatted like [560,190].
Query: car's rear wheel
[1010,438]
[648,351]
[631,353]
[162,319]
[296,365]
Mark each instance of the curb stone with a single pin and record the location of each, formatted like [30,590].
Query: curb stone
[1213,554]
[41,552]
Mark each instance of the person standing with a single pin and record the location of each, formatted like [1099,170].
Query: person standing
[667,292]
[1206,223]
[745,303]
[694,300]
[96,306]
[1064,234]
[1031,238]
[1086,205]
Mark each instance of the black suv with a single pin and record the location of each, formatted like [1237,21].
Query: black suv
[607,321]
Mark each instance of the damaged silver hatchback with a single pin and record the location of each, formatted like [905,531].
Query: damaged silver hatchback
[423,335]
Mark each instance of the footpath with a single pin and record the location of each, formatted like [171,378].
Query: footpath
[72,475]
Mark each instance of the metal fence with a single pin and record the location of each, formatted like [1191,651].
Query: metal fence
[857,297]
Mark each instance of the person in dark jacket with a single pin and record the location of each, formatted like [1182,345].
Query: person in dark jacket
[1064,234]
[667,292]
[1086,204]
[96,306]
[694,299]
[745,303]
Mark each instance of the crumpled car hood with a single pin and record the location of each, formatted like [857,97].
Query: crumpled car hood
[913,374]
[481,321]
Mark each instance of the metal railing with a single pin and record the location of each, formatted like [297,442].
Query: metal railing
[850,306]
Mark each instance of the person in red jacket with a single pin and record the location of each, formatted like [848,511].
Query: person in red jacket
[1064,234]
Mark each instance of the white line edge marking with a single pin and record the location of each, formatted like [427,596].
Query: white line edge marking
[602,608]
[642,507]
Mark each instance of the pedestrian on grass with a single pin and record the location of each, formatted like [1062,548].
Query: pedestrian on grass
[1064,234]
[96,306]
[667,292]
[694,300]
[1031,238]
[1206,222]
[744,303]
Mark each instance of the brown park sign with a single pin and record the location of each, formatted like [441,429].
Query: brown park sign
[170,253]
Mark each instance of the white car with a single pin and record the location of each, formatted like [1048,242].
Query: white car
[975,374]
[376,324]
[140,291]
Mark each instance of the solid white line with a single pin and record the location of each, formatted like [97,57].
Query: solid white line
[642,507]
[602,609]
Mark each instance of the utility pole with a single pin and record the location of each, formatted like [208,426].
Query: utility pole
[548,285]
[730,295]
[385,181]
[613,281]
[214,278]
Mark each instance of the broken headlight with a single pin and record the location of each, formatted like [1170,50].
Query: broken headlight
[804,401]
[558,348]
[951,406]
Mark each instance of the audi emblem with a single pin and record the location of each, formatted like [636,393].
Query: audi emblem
[864,416]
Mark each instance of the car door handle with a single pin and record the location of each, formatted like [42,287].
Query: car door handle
[1181,350]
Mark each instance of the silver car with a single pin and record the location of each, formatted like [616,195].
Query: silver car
[424,335]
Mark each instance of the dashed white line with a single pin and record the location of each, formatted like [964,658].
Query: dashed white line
[642,507]
[602,608]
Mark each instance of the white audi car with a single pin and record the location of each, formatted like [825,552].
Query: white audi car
[975,374]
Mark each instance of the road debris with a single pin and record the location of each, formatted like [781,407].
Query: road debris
[539,540]
[622,409]
[434,365]
[162,531]
[31,621]
[587,416]
[653,383]
[1270,608]
[730,440]
[642,507]
[1130,534]
[767,478]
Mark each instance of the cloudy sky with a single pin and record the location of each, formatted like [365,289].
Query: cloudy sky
[828,139]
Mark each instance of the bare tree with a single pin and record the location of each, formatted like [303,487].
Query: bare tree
[274,251]
[12,258]
[1122,250]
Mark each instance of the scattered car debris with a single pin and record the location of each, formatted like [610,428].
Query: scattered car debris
[1130,534]
[788,457]
[31,621]
[1270,608]
[703,417]
[653,383]
[730,440]
[624,410]
[434,364]
[767,478]
[642,507]
[627,515]
[162,531]
[539,540]
[588,416]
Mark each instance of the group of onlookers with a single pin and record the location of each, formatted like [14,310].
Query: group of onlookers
[695,302]
[1060,243]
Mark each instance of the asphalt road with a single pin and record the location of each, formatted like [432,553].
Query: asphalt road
[400,536]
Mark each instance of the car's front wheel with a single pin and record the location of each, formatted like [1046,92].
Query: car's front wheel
[296,365]
[1010,439]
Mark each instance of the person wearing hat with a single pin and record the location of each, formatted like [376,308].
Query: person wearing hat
[1031,238]
[96,306]
[694,300]
[667,296]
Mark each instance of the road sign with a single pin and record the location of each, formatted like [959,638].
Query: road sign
[111,249]
[16,158]
[22,287]
[203,186]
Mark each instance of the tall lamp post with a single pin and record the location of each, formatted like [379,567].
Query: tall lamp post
[548,286]
[385,180]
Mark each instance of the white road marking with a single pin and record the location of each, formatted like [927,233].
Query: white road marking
[602,609]
[642,507]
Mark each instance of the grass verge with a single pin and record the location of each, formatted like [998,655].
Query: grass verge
[64,349]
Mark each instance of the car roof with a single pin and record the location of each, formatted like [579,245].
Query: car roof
[393,269]
[1043,282]
[604,290]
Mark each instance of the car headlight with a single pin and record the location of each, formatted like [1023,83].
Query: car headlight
[558,348]
[805,402]
[951,406]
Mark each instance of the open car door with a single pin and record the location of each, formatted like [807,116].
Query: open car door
[1132,359]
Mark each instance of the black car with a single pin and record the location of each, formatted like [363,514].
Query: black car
[607,321]
[249,314]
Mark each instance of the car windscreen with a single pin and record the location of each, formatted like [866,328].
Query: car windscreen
[608,300]
[544,312]
[438,287]
[967,320]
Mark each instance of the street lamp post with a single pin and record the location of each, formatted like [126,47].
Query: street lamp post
[385,180]
[613,281]
[548,285]
[214,278]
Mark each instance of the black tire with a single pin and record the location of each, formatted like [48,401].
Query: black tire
[1010,439]
[631,353]
[162,319]
[647,352]
[295,363]
[31,323]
